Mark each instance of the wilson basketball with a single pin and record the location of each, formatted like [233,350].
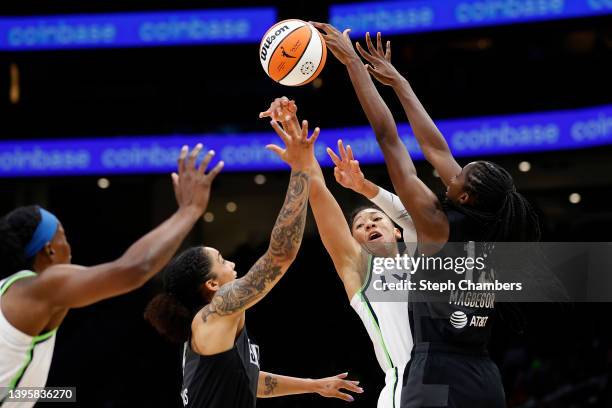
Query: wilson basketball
[292,52]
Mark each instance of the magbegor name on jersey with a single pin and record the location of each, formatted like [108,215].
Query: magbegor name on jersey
[483,300]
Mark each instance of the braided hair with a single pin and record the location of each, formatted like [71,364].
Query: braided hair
[172,311]
[498,207]
[16,230]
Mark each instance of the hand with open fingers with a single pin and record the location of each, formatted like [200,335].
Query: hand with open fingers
[283,110]
[339,43]
[191,183]
[299,148]
[379,60]
[332,387]
[347,171]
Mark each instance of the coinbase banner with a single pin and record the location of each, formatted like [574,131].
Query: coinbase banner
[135,29]
[396,17]
[484,136]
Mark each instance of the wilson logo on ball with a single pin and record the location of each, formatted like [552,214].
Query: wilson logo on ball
[292,52]
[270,40]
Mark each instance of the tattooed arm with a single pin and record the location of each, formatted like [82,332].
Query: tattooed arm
[274,385]
[236,296]
[285,241]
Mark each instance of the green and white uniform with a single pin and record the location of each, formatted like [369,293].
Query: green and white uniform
[24,360]
[386,317]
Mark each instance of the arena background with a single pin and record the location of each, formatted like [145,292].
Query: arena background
[305,327]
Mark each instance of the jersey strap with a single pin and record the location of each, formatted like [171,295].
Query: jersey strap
[14,278]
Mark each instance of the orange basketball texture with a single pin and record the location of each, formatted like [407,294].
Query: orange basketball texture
[288,53]
[291,53]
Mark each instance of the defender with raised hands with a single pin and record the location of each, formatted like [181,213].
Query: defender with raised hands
[450,366]
[482,191]
[40,286]
[204,305]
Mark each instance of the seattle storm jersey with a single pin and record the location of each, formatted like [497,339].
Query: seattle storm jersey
[457,318]
[226,379]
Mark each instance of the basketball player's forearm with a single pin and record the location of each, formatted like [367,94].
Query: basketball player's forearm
[368,189]
[288,230]
[393,207]
[336,237]
[425,130]
[378,114]
[153,251]
[285,242]
[396,155]
[430,139]
[273,385]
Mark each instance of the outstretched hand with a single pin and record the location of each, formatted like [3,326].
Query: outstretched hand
[379,60]
[191,184]
[347,171]
[339,43]
[332,387]
[299,148]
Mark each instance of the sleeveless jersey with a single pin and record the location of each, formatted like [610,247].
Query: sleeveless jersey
[25,360]
[386,321]
[450,366]
[451,320]
[227,379]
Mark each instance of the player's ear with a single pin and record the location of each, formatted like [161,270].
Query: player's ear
[464,198]
[212,285]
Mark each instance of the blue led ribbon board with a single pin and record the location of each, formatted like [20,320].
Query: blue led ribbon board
[476,137]
[403,17]
[135,29]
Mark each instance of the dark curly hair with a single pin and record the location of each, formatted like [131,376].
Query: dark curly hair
[172,311]
[16,230]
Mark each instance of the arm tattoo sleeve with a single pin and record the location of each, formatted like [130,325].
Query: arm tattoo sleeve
[284,245]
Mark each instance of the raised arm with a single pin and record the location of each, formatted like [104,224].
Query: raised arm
[432,142]
[334,232]
[285,239]
[273,385]
[349,175]
[429,219]
[75,286]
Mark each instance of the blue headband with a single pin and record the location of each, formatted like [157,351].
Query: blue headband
[44,233]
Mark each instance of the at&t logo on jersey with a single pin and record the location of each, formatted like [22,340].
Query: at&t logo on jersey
[459,320]
[479,321]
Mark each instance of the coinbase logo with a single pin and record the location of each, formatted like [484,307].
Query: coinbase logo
[458,319]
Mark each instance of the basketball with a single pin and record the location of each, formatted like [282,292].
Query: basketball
[292,52]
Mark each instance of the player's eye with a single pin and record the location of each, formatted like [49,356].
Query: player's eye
[377,218]
[358,226]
